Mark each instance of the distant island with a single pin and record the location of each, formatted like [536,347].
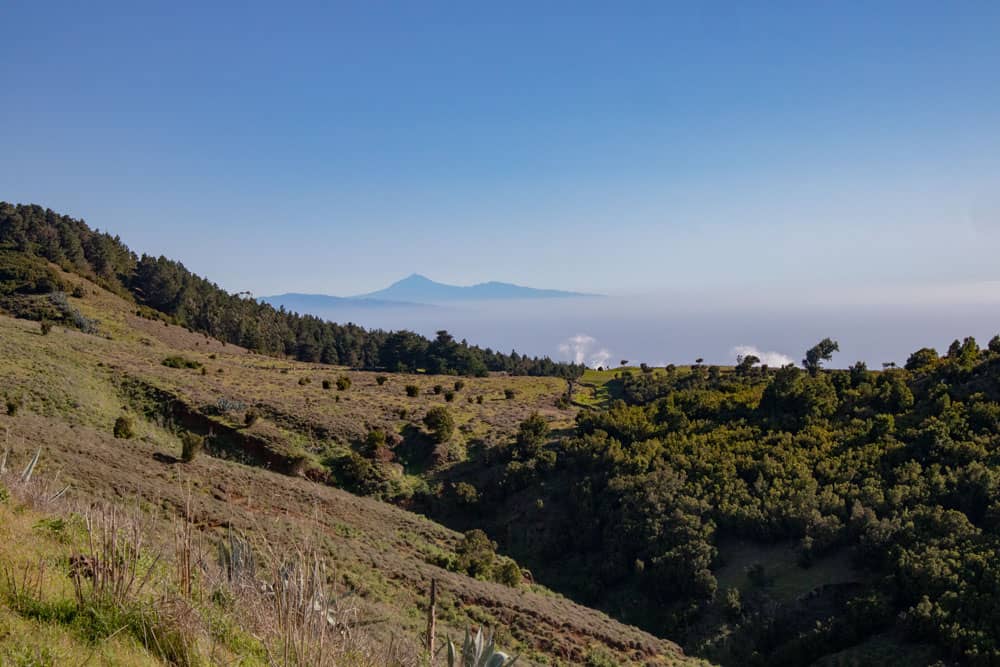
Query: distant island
[416,289]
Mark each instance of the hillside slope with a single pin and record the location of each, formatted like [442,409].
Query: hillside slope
[71,387]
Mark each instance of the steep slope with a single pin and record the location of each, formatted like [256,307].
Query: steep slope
[71,387]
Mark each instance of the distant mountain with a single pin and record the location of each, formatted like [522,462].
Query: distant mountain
[420,289]
[313,303]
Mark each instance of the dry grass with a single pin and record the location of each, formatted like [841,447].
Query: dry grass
[284,613]
[72,385]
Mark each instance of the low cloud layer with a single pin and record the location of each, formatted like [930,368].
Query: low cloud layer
[766,358]
[584,349]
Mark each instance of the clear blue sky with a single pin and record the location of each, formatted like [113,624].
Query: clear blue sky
[619,147]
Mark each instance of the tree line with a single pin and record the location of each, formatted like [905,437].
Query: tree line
[170,290]
[898,470]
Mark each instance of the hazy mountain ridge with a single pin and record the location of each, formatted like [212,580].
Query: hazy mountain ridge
[416,288]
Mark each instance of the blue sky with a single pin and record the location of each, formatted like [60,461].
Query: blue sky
[617,147]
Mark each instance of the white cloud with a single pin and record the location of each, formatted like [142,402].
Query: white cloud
[767,358]
[583,349]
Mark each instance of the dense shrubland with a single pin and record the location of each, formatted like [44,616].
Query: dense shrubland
[899,468]
[165,288]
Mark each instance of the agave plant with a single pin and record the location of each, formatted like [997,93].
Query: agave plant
[478,651]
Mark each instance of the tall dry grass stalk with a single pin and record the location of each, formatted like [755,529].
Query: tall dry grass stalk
[29,488]
[159,592]
[117,567]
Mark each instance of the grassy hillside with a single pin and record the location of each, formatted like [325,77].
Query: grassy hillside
[272,477]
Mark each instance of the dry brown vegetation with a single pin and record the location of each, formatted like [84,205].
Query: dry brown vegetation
[74,386]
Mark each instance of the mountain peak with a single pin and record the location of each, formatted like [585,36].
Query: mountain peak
[421,289]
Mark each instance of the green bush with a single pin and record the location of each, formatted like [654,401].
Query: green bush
[479,399]
[380,379]
[14,403]
[343,383]
[251,417]
[438,389]
[412,390]
[177,361]
[509,394]
[303,381]
[466,493]
[327,384]
[124,428]
[440,423]
[191,446]
[449,396]
[508,573]
[459,385]
[46,327]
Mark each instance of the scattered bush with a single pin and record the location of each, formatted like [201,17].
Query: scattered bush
[466,493]
[412,390]
[508,573]
[449,396]
[438,389]
[380,380]
[251,417]
[78,292]
[479,399]
[177,361]
[45,327]
[343,383]
[459,385]
[509,394]
[14,403]
[303,381]
[191,445]
[124,428]
[440,423]
[327,384]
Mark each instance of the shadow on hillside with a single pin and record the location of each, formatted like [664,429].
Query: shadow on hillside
[165,458]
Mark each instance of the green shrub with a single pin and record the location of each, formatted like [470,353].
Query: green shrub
[78,292]
[191,446]
[479,399]
[124,428]
[449,396]
[14,403]
[476,554]
[459,385]
[374,441]
[440,423]
[508,573]
[327,384]
[4,494]
[343,383]
[46,327]
[412,390]
[380,379]
[303,381]
[733,604]
[251,417]
[466,493]
[509,394]
[438,389]
[177,361]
